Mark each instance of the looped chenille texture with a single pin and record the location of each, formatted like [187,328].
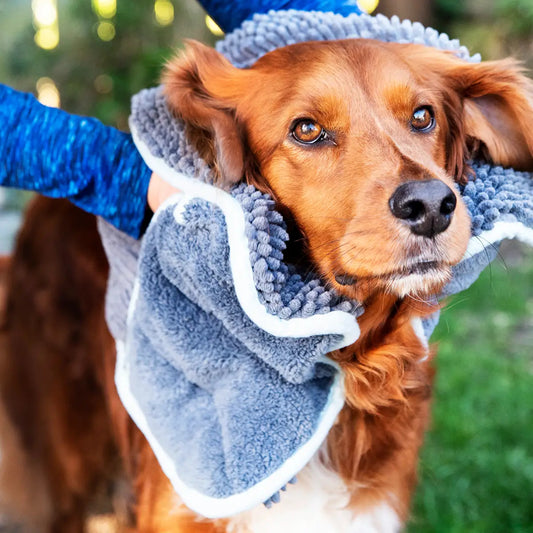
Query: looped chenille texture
[500,204]
[281,289]
[266,32]
[497,194]
[232,401]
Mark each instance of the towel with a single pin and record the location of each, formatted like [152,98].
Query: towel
[221,345]
[222,360]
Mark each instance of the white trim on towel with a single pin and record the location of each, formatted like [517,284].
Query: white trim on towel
[502,230]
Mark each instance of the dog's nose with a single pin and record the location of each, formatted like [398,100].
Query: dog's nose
[426,206]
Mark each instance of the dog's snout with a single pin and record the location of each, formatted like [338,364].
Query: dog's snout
[426,206]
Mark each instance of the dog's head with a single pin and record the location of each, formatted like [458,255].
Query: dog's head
[362,142]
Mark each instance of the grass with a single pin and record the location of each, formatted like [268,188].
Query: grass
[476,469]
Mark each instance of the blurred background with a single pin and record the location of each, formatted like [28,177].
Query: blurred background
[90,56]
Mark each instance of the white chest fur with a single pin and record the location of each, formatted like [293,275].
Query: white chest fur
[317,503]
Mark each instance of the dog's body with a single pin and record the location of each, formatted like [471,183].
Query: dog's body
[360,146]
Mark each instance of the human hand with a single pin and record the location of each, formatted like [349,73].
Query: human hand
[158,191]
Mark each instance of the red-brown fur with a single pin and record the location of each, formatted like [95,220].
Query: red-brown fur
[62,416]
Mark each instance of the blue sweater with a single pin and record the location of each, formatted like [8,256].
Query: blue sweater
[66,156]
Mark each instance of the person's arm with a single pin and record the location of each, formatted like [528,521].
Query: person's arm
[61,155]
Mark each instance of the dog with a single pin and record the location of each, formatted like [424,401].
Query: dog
[361,144]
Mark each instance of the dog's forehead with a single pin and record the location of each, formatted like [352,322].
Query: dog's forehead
[343,53]
[349,64]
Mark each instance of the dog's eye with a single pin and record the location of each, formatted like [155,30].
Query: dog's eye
[423,119]
[308,131]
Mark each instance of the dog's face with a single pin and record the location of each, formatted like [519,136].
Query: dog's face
[362,142]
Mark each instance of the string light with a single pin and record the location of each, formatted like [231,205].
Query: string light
[46,25]
[164,12]
[47,92]
[213,27]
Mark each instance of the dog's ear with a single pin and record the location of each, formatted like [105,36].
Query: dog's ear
[489,106]
[498,112]
[202,88]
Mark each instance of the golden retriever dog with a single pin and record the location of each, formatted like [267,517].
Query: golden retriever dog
[360,143]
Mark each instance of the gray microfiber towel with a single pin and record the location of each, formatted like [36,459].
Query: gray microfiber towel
[222,346]
[223,364]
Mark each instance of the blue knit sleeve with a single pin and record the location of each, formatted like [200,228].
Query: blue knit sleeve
[66,156]
[230,15]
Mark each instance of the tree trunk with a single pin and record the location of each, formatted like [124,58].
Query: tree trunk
[420,11]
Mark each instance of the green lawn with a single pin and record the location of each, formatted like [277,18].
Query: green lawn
[476,470]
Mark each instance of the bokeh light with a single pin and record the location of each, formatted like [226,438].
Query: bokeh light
[47,38]
[164,12]
[105,8]
[47,92]
[213,27]
[46,25]
[368,5]
[103,84]
[44,12]
[106,30]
